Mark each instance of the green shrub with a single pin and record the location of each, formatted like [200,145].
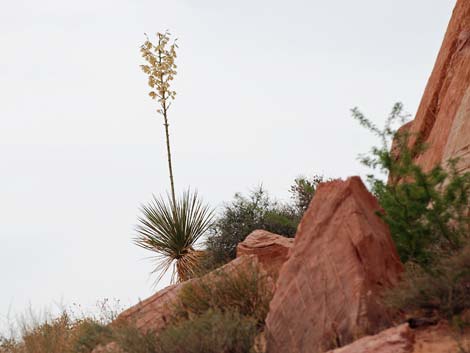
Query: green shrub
[244,215]
[258,210]
[427,211]
[429,219]
[302,192]
[245,290]
[88,334]
[214,331]
[427,216]
[132,340]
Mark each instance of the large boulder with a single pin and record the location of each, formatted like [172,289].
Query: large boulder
[443,118]
[272,250]
[394,340]
[328,291]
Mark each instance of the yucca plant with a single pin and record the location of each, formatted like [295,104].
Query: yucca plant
[172,230]
[161,70]
[170,227]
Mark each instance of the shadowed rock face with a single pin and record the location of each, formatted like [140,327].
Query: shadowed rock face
[272,250]
[443,117]
[328,290]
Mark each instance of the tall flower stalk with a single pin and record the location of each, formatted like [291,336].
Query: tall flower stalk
[161,70]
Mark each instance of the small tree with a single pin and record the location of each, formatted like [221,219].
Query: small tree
[170,228]
[428,212]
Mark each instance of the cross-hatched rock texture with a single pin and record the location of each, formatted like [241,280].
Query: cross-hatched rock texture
[328,290]
[443,118]
[153,313]
[394,340]
[272,250]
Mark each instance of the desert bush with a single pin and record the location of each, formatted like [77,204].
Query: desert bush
[9,345]
[72,331]
[57,335]
[303,190]
[66,335]
[220,313]
[245,290]
[132,340]
[52,336]
[87,334]
[445,292]
[428,215]
[214,331]
[242,216]
[427,211]
[258,210]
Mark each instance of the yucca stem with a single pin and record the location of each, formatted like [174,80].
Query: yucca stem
[168,151]
[167,133]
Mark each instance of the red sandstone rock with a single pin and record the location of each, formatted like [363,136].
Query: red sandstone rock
[432,339]
[154,313]
[443,117]
[272,250]
[441,339]
[394,340]
[328,290]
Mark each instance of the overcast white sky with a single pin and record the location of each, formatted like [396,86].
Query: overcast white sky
[264,92]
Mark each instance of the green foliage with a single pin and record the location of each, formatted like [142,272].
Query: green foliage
[214,331]
[427,211]
[89,334]
[222,312]
[244,215]
[302,191]
[258,210]
[58,335]
[245,290]
[132,340]
[446,291]
[171,230]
